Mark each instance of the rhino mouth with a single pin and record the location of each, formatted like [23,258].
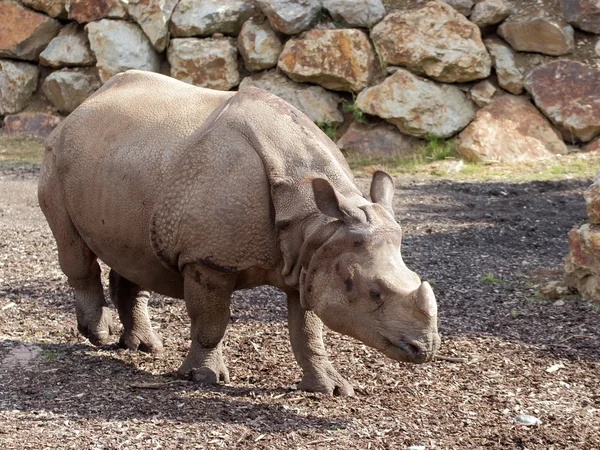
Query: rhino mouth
[407,351]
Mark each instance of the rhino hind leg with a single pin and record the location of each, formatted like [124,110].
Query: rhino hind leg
[207,295]
[306,336]
[132,304]
[77,261]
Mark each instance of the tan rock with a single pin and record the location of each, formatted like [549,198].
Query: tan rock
[356,13]
[52,8]
[120,46]
[377,140]
[434,40]
[462,6]
[84,11]
[584,14]
[70,48]
[490,12]
[538,32]
[259,45]
[592,201]
[593,146]
[340,60]
[503,59]
[483,93]
[203,18]
[290,16]
[24,33]
[67,89]
[210,63]
[568,93]
[18,81]
[35,124]
[320,105]
[153,17]
[417,106]
[582,267]
[510,130]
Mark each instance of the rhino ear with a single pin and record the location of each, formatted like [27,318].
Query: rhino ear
[328,201]
[382,190]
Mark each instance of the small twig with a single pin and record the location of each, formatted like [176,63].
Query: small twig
[451,359]
[155,385]
[320,441]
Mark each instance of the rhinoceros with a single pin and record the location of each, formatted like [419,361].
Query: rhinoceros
[195,193]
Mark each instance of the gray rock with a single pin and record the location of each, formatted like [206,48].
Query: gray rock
[259,45]
[24,33]
[462,6]
[210,63]
[320,105]
[584,14]
[340,60]
[203,18]
[434,40]
[18,81]
[120,46]
[490,12]
[511,130]
[356,13]
[153,17]
[377,140]
[290,16]
[538,32]
[68,88]
[483,93]
[525,419]
[70,48]
[417,106]
[503,59]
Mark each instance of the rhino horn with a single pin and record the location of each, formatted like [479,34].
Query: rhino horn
[425,299]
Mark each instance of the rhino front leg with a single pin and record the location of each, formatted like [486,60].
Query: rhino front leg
[306,336]
[207,300]
[132,303]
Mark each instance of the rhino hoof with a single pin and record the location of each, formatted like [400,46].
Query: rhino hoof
[337,385]
[205,375]
[147,344]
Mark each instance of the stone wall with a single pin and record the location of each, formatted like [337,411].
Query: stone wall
[510,83]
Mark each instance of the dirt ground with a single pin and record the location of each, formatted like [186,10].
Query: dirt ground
[483,245]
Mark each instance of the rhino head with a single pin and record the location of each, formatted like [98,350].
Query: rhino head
[357,282]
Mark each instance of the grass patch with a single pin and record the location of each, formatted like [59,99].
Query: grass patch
[357,114]
[49,355]
[329,129]
[489,278]
[19,151]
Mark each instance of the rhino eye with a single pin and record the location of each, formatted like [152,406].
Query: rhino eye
[375,295]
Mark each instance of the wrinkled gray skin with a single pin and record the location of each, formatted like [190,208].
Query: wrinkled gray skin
[195,193]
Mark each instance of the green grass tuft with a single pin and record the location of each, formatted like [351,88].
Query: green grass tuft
[489,278]
[330,129]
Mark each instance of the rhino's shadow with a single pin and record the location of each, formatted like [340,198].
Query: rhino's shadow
[74,382]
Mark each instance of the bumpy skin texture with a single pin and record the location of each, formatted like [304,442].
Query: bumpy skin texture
[195,193]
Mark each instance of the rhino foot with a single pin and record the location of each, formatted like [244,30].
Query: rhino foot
[205,366]
[326,380]
[145,342]
[98,331]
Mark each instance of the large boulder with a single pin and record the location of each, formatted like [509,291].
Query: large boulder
[18,81]
[120,46]
[70,48]
[35,124]
[67,89]
[584,14]
[592,201]
[568,93]
[320,105]
[538,32]
[24,33]
[582,267]
[503,59]
[52,8]
[84,11]
[434,40]
[194,18]
[417,106]
[210,63]
[153,17]
[377,140]
[490,12]
[462,6]
[510,129]
[259,45]
[340,60]
[290,16]
[356,13]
